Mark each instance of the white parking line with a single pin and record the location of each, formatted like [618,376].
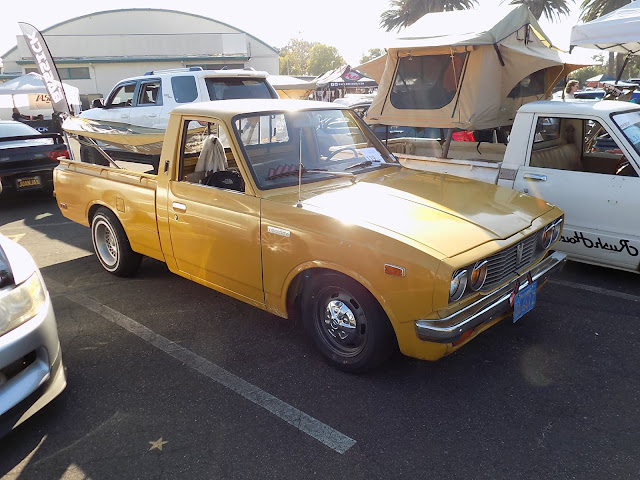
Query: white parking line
[298,419]
[601,291]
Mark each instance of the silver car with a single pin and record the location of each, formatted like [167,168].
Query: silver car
[31,370]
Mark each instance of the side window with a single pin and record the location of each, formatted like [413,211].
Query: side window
[150,94]
[579,145]
[123,96]
[427,82]
[261,130]
[206,157]
[184,88]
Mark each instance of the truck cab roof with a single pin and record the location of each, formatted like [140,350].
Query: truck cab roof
[573,107]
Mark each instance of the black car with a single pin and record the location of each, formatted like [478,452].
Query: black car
[27,157]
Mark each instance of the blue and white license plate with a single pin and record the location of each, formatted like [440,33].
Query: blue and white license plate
[524,301]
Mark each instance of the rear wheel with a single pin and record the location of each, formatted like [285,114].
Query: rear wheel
[346,323]
[111,245]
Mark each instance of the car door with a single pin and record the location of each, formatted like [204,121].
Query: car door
[215,232]
[119,104]
[147,109]
[568,168]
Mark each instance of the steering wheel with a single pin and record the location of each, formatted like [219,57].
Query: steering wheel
[342,149]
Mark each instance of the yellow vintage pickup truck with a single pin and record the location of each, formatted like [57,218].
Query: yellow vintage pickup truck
[296,207]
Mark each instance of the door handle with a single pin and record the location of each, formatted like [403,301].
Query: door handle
[179,207]
[152,115]
[535,176]
[124,115]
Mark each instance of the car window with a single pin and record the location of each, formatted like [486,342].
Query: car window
[578,144]
[16,129]
[629,123]
[184,88]
[328,143]
[123,96]
[206,158]
[230,88]
[150,94]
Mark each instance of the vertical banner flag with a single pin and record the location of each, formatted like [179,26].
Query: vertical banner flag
[46,67]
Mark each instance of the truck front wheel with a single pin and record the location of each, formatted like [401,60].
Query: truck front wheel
[111,245]
[346,323]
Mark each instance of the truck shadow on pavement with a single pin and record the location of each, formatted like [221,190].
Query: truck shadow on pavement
[40,212]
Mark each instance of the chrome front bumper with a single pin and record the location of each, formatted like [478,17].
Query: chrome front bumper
[451,328]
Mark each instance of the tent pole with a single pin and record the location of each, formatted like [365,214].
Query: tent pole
[626,60]
[447,143]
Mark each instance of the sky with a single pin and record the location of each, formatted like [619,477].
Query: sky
[350,26]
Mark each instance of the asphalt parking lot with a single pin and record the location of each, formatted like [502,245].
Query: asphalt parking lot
[168,379]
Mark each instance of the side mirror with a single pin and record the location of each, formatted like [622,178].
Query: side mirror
[97,103]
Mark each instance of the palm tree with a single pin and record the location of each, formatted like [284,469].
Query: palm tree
[552,9]
[405,12]
[592,9]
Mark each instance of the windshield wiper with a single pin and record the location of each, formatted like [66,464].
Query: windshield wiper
[329,172]
[364,163]
[294,172]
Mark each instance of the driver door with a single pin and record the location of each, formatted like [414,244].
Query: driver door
[574,163]
[215,232]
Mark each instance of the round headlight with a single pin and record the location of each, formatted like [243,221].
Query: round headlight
[458,285]
[478,275]
[557,228]
[547,236]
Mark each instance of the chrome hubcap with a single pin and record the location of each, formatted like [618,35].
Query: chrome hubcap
[340,320]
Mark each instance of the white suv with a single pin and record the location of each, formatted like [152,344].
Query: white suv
[146,101]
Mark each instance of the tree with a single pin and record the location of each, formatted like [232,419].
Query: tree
[371,54]
[406,12]
[323,58]
[552,9]
[294,57]
[592,9]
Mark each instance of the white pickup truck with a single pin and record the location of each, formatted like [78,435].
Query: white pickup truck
[582,156]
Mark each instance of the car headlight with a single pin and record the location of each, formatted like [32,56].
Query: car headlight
[478,275]
[458,285]
[21,303]
[551,232]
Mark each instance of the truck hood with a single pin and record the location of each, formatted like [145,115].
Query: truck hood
[445,213]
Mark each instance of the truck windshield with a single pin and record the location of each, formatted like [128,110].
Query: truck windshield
[629,123]
[328,142]
[231,88]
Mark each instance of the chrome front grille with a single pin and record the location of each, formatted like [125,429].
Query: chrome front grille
[505,263]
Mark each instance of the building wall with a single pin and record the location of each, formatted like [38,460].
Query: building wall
[123,43]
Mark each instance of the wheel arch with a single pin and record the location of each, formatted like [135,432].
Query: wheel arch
[300,276]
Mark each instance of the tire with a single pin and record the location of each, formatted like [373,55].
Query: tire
[111,245]
[364,338]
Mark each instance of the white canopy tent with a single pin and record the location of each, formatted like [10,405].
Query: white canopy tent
[28,94]
[618,31]
[473,76]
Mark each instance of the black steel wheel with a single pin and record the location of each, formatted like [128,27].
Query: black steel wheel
[346,323]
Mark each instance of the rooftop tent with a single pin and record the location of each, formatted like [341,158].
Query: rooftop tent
[475,78]
[618,31]
[29,94]
[291,87]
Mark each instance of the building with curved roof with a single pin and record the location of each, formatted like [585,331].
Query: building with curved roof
[93,52]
